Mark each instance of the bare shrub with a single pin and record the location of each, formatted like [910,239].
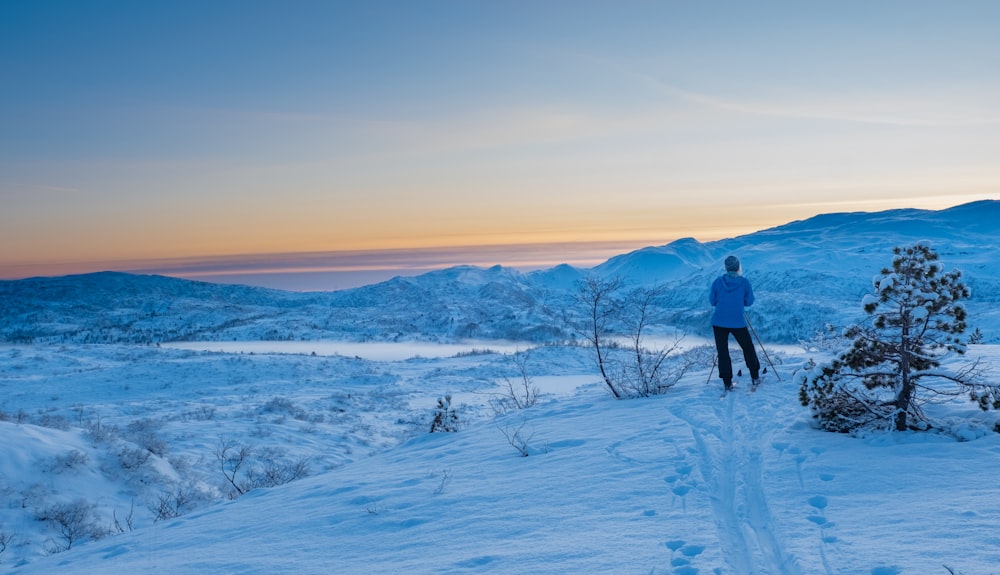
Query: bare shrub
[634,369]
[74,521]
[129,519]
[175,502]
[517,439]
[233,458]
[99,433]
[143,432]
[132,458]
[5,540]
[601,306]
[445,479]
[245,468]
[516,395]
[33,495]
[52,421]
[203,413]
[71,460]
[275,472]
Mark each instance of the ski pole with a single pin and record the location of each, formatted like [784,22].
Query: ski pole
[711,371]
[761,344]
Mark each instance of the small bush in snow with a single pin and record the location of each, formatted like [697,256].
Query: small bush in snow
[234,458]
[97,432]
[521,394]
[632,369]
[73,459]
[73,521]
[270,469]
[133,458]
[517,439]
[52,421]
[976,337]
[129,519]
[280,405]
[246,468]
[203,413]
[5,540]
[143,433]
[175,502]
[283,406]
[445,417]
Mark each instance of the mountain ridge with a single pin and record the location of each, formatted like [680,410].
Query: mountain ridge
[808,274]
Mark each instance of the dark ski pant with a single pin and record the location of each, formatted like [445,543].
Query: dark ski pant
[742,336]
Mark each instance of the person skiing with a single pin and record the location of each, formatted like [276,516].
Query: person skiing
[730,293]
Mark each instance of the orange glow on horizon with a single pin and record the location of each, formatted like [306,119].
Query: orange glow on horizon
[544,246]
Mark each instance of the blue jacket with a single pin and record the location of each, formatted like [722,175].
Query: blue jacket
[729,294]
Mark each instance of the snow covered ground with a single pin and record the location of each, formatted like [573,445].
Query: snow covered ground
[682,484]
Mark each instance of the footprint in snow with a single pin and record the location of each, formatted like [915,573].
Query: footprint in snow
[675,544]
[681,490]
[692,550]
[819,502]
[683,472]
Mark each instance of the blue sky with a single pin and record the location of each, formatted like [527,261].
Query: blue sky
[141,135]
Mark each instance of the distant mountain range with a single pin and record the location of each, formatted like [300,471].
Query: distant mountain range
[807,274]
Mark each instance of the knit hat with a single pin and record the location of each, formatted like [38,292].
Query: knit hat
[732,264]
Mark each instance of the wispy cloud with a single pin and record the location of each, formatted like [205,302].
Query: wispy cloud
[338,269]
[890,108]
[927,202]
[23,189]
[527,256]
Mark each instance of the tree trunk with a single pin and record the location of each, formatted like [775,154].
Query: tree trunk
[905,394]
[600,354]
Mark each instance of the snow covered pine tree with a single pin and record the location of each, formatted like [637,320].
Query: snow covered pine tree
[445,417]
[895,362]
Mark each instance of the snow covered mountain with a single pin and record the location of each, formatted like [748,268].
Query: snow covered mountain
[808,274]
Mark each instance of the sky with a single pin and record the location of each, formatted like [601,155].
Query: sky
[312,145]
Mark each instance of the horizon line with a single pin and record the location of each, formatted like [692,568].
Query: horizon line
[338,269]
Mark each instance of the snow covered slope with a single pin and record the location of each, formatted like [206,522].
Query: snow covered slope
[680,484]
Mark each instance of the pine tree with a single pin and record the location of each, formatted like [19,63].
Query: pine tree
[976,337]
[915,318]
[445,417]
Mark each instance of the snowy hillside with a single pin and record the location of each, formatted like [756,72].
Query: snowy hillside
[807,274]
[679,484]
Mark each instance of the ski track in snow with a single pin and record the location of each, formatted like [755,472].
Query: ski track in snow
[732,467]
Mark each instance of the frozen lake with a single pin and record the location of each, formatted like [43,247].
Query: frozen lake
[374,351]
[399,351]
